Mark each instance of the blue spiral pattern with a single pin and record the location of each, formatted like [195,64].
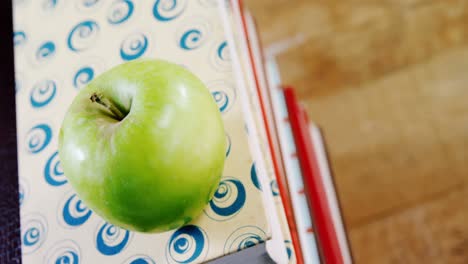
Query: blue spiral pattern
[45,51]
[244,237]
[33,233]
[167,10]
[139,259]
[31,236]
[223,52]
[83,76]
[221,99]
[120,11]
[19,38]
[64,252]
[289,251]
[68,257]
[111,240]
[186,245]
[53,172]
[38,138]
[227,201]
[21,194]
[42,93]
[49,4]
[133,46]
[221,57]
[75,212]
[223,94]
[191,39]
[254,177]
[228,148]
[82,35]
[23,190]
[274,188]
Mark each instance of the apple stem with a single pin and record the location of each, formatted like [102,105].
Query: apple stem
[100,99]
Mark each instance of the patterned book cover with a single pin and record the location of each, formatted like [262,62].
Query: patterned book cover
[62,45]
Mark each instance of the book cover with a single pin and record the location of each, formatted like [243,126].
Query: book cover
[302,212]
[62,45]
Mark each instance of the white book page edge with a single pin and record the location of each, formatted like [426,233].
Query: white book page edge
[292,167]
[257,61]
[277,240]
[330,192]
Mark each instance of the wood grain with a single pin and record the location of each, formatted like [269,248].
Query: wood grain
[398,140]
[351,42]
[387,81]
[433,232]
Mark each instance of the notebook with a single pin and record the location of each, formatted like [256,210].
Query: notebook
[60,46]
[305,157]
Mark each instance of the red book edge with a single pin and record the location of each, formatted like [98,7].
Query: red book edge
[282,184]
[313,185]
[334,205]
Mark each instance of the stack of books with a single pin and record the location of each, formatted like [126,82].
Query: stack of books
[276,202]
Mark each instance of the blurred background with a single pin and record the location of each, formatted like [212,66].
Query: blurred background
[387,80]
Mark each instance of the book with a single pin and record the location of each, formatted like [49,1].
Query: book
[319,146]
[303,216]
[59,48]
[317,183]
[310,177]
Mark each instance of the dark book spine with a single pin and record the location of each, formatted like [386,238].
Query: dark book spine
[10,242]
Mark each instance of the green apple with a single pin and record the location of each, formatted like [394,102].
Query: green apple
[143,145]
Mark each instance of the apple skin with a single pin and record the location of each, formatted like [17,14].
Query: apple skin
[158,167]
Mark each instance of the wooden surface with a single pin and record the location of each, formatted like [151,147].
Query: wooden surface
[387,80]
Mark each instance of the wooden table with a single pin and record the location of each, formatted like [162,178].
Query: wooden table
[387,80]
